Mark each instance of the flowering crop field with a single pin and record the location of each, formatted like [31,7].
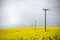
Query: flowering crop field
[30,33]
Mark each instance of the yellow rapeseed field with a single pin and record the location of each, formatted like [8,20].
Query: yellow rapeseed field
[30,33]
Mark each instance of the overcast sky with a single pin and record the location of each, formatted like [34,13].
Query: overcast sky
[15,13]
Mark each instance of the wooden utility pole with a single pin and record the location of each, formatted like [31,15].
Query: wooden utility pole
[31,24]
[45,17]
[35,24]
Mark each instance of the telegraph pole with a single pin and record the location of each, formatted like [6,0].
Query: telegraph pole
[31,24]
[35,24]
[45,17]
